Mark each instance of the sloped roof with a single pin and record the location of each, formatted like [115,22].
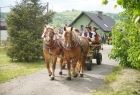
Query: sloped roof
[105,22]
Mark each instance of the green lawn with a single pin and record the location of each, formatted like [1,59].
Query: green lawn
[10,70]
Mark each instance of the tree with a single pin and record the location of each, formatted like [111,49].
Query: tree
[132,5]
[25,24]
[126,46]
[126,35]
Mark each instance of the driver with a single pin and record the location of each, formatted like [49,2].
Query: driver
[88,33]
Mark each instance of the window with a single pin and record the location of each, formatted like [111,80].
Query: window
[105,25]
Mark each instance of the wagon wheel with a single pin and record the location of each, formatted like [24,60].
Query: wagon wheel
[89,63]
[98,58]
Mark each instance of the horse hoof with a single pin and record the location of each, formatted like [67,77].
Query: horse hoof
[81,75]
[50,74]
[52,78]
[68,78]
[60,73]
[76,75]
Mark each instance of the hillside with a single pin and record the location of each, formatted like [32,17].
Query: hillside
[66,17]
[114,16]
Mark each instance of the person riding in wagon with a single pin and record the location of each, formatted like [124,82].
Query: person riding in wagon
[92,35]
[88,33]
[96,35]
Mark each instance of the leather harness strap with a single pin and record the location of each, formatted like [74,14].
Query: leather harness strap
[55,44]
[73,45]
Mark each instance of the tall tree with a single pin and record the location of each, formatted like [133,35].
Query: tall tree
[25,24]
[126,34]
[132,5]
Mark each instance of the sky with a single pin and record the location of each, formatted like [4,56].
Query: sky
[62,5]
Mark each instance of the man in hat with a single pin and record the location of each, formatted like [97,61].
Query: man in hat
[94,31]
[77,32]
[96,36]
[88,33]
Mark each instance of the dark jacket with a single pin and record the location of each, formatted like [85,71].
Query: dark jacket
[90,34]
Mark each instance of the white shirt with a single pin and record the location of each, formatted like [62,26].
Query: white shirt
[93,35]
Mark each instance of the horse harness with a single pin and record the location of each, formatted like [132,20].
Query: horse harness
[74,45]
[55,44]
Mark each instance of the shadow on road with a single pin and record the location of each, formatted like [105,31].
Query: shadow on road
[91,80]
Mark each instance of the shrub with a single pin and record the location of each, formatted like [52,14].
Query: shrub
[25,25]
[126,43]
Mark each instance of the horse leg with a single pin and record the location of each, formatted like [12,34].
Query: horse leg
[78,67]
[74,69]
[69,73]
[53,67]
[61,66]
[82,65]
[48,67]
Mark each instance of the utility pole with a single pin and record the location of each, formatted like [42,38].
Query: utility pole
[47,7]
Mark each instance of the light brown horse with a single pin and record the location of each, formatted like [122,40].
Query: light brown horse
[75,52]
[52,49]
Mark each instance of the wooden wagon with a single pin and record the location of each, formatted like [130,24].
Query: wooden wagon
[94,53]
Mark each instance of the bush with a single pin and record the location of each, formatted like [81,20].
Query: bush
[25,26]
[126,43]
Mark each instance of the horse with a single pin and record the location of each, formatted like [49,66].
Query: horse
[52,49]
[75,51]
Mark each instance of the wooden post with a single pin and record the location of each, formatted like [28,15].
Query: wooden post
[47,7]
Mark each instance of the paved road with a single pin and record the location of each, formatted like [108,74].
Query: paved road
[39,83]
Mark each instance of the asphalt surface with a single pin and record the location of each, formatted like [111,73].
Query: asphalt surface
[39,83]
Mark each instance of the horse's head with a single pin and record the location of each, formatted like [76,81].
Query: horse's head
[68,35]
[48,34]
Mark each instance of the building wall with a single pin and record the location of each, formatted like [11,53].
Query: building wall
[83,20]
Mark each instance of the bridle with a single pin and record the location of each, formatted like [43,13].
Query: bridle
[53,43]
[73,44]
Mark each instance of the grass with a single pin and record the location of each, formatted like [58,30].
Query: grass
[127,82]
[122,91]
[113,75]
[10,70]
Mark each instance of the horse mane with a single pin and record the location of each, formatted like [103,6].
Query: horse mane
[73,32]
[75,36]
[45,30]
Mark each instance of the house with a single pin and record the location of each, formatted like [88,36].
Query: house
[3,25]
[102,22]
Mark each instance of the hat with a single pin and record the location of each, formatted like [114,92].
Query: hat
[89,27]
[95,28]
[77,30]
